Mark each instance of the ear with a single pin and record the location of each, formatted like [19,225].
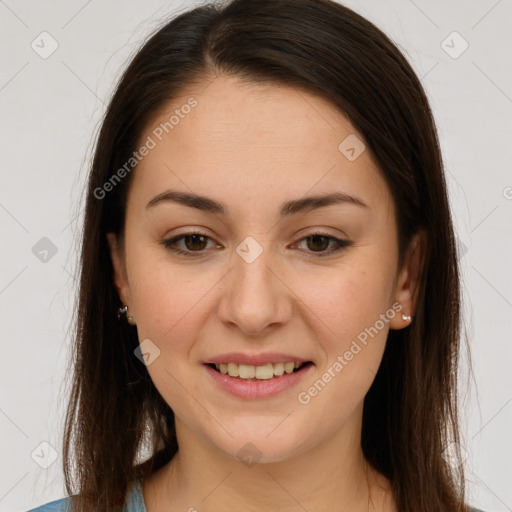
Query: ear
[407,286]
[120,275]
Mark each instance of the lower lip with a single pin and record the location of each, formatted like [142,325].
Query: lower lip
[258,389]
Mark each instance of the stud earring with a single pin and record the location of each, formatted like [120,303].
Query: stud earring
[121,311]
[406,317]
[124,311]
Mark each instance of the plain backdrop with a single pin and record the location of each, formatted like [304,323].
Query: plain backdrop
[52,99]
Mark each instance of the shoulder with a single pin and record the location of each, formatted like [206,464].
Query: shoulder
[61,505]
[134,502]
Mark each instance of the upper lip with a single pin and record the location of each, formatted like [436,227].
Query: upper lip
[255,359]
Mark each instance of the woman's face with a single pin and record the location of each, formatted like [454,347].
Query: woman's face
[256,281]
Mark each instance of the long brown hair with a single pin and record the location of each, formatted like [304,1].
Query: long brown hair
[410,412]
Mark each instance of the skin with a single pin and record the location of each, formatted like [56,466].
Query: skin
[252,147]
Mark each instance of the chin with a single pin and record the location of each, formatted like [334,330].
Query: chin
[262,448]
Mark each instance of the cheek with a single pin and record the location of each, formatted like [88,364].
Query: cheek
[169,301]
[350,330]
[171,305]
[348,312]
[348,298]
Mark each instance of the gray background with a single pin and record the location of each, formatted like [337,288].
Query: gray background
[50,111]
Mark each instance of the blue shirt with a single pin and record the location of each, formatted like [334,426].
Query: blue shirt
[134,502]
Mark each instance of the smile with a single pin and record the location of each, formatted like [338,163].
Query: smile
[257,382]
[262,372]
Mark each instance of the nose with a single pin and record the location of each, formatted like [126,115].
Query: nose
[254,297]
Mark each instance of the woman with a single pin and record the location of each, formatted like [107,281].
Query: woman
[269,276]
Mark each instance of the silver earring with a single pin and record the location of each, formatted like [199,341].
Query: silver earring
[406,317]
[122,311]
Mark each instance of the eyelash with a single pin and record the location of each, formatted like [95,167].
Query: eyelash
[171,242]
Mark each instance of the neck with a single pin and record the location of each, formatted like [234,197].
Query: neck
[330,476]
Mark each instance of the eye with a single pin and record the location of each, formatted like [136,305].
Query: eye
[319,241]
[195,244]
[194,241]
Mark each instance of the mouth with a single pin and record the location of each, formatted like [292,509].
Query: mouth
[268,371]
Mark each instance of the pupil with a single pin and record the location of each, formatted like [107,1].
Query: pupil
[316,239]
[194,237]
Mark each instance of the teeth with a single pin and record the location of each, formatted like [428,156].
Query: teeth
[246,371]
[278,368]
[264,372]
[233,369]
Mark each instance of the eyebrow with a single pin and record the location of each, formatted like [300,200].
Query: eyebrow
[209,205]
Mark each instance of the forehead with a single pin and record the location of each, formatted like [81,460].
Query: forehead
[242,141]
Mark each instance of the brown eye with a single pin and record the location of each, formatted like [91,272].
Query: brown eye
[318,242]
[190,243]
[195,242]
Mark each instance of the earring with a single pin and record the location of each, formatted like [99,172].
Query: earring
[124,311]
[121,311]
[406,317]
